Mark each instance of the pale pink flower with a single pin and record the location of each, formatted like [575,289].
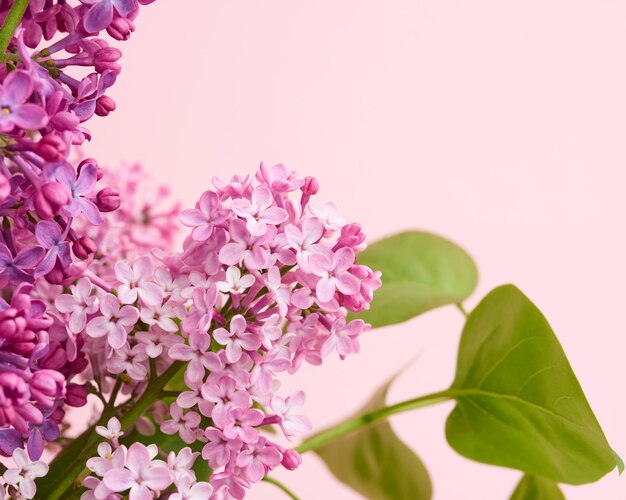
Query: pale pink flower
[281,292]
[343,337]
[112,431]
[202,311]
[170,286]
[107,459]
[235,283]
[204,217]
[219,449]
[237,339]
[197,280]
[263,373]
[271,331]
[78,305]
[23,475]
[136,281]
[114,322]
[253,250]
[334,274]
[236,188]
[185,424]
[306,241]
[259,211]
[329,215]
[288,409]
[198,355]
[241,423]
[129,361]
[193,397]
[181,465]
[224,394]
[257,459]
[162,315]
[140,475]
[155,341]
[190,490]
[278,179]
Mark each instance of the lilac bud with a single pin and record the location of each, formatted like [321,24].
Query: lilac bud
[46,386]
[83,247]
[11,323]
[121,28]
[291,459]
[108,200]
[52,148]
[32,34]
[106,59]
[55,358]
[49,198]
[76,395]
[104,105]
[311,186]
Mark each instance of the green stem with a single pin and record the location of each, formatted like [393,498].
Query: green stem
[281,486]
[10,24]
[368,418]
[84,447]
[113,396]
[462,309]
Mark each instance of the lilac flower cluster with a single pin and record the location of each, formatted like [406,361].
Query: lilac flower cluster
[54,78]
[263,284]
[135,469]
[95,304]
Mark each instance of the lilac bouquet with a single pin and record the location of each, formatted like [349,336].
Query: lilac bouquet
[176,355]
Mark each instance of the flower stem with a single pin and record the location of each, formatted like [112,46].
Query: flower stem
[462,309]
[369,418]
[69,464]
[281,486]
[10,24]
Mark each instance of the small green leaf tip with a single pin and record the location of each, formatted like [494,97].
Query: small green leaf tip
[619,462]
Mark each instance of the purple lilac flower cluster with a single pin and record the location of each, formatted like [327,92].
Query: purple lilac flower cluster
[56,72]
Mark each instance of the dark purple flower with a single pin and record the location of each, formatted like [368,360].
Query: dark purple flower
[48,431]
[49,236]
[14,268]
[9,440]
[14,110]
[100,14]
[78,188]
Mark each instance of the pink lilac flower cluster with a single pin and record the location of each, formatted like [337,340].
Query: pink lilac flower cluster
[137,470]
[263,284]
[144,221]
[54,78]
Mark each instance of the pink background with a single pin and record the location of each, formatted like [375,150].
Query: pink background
[498,124]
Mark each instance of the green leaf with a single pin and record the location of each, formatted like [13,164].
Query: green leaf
[374,462]
[537,488]
[420,272]
[619,462]
[519,403]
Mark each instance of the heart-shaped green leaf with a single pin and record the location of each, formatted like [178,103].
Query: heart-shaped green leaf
[421,272]
[374,462]
[537,488]
[519,403]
